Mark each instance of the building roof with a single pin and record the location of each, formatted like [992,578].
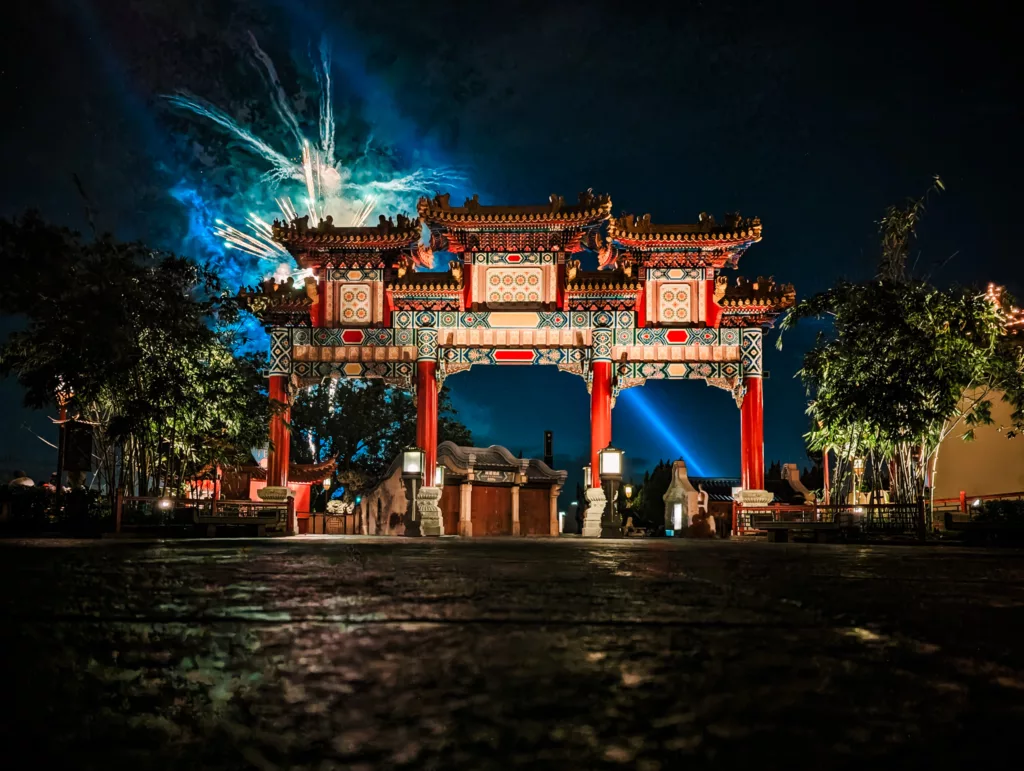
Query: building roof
[602,281]
[641,232]
[589,210]
[279,302]
[757,302]
[460,460]
[299,473]
[385,235]
[720,489]
[554,226]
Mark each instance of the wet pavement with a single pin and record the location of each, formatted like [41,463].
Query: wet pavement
[323,653]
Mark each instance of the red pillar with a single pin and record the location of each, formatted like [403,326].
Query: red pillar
[280,449]
[752,435]
[600,415]
[426,415]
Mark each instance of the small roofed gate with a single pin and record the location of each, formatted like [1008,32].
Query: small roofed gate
[488,491]
[492,510]
[450,508]
[534,511]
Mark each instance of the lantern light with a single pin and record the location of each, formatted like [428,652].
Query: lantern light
[628,489]
[327,483]
[439,475]
[610,463]
[587,477]
[165,503]
[412,462]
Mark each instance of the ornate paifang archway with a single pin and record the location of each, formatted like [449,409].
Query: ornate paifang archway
[659,308]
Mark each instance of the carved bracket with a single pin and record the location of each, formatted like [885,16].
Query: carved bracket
[733,385]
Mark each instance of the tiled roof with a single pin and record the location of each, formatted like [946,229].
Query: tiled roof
[495,458]
[630,230]
[589,210]
[386,234]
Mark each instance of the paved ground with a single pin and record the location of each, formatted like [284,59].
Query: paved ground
[324,653]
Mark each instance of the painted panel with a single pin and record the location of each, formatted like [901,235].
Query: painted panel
[356,304]
[675,304]
[514,285]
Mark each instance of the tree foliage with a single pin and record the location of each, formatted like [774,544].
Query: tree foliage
[142,340]
[364,424]
[907,363]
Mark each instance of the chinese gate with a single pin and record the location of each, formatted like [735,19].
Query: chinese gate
[659,307]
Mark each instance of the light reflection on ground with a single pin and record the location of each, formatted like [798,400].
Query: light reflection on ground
[342,652]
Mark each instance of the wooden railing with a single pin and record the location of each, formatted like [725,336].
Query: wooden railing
[137,511]
[880,517]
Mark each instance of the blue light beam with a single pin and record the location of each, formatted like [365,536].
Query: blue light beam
[645,408]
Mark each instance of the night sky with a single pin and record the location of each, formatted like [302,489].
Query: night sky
[812,116]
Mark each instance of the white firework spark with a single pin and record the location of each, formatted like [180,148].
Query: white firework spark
[327,183]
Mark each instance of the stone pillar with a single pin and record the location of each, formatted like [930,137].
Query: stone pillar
[466,509]
[280,448]
[515,509]
[752,435]
[600,400]
[596,504]
[431,522]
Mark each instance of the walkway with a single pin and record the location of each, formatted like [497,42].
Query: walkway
[484,654]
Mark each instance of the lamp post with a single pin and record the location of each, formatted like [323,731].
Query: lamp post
[610,470]
[858,475]
[412,474]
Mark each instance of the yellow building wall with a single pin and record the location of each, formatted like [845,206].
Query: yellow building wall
[989,465]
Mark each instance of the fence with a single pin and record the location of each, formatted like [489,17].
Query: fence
[868,518]
[949,513]
[133,512]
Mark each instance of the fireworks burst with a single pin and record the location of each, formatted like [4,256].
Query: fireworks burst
[327,186]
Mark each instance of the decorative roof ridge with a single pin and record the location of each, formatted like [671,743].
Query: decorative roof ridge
[297,472]
[641,228]
[406,231]
[588,207]
[423,280]
[281,299]
[602,279]
[763,292]
[461,456]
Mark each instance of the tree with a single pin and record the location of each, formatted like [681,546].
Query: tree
[364,424]
[906,365]
[142,340]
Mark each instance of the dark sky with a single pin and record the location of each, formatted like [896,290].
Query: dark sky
[813,116]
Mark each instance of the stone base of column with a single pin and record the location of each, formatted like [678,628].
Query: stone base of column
[429,511]
[596,504]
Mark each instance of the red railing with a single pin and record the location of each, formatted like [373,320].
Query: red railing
[965,508]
